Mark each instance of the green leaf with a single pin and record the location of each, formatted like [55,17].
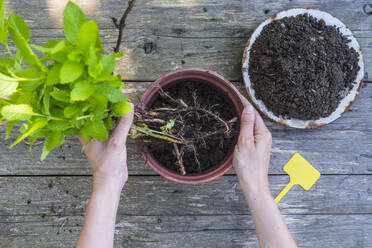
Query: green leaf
[55,50]
[73,18]
[58,125]
[96,129]
[98,103]
[4,77]
[72,110]
[3,25]
[52,140]
[40,133]
[21,97]
[19,34]
[121,108]
[18,24]
[9,128]
[168,126]
[75,56]
[94,68]
[31,73]
[61,95]
[114,95]
[108,64]
[53,75]
[6,62]
[59,47]
[70,71]
[107,78]
[87,36]
[46,101]
[72,131]
[41,49]
[82,91]
[7,87]
[4,102]
[108,123]
[51,43]
[32,77]
[37,124]
[17,112]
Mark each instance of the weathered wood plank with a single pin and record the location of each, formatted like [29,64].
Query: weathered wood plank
[209,34]
[343,147]
[153,195]
[201,18]
[186,231]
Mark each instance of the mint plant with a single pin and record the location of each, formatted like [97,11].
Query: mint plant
[70,90]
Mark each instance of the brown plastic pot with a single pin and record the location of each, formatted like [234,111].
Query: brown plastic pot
[213,80]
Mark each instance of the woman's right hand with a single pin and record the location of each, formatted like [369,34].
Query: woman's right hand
[252,152]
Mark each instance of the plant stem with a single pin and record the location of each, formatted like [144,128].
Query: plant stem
[9,51]
[156,134]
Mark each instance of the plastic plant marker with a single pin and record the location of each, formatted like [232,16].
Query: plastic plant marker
[300,172]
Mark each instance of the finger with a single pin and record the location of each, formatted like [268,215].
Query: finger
[261,132]
[246,137]
[244,100]
[122,128]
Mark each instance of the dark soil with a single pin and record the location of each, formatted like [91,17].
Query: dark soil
[302,68]
[207,142]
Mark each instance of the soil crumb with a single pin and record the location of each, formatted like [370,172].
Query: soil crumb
[302,68]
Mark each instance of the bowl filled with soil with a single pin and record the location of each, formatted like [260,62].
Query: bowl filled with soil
[302,68]
[201,110]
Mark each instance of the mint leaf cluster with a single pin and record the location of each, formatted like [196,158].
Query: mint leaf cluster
[70,90]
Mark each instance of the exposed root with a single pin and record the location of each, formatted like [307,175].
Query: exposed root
[227,128]
[179,102]
[196,157]
[179,158]
[159,121]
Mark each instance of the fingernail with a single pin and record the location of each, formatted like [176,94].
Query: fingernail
[248,109]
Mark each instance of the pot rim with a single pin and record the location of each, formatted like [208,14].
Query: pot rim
[217,82]
[345,103]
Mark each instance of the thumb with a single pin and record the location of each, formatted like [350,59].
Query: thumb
[122,128]
[246,137]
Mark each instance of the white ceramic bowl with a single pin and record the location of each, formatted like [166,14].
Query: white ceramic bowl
[345,102]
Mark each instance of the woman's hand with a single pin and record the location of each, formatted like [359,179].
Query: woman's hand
[252,152]
[108,160]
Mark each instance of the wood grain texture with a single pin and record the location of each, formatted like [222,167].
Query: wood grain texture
[153,195]
[162,36]
[48,211]
[321,231]
[342,147]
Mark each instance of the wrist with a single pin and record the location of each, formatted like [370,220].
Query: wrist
[108,184]
[257,187]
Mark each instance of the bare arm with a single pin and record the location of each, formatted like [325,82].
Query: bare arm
[251,163]
[109,167]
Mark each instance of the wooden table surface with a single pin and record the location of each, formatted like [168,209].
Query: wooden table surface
[42,203]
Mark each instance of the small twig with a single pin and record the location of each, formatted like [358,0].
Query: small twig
[179,158]
[121,24]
